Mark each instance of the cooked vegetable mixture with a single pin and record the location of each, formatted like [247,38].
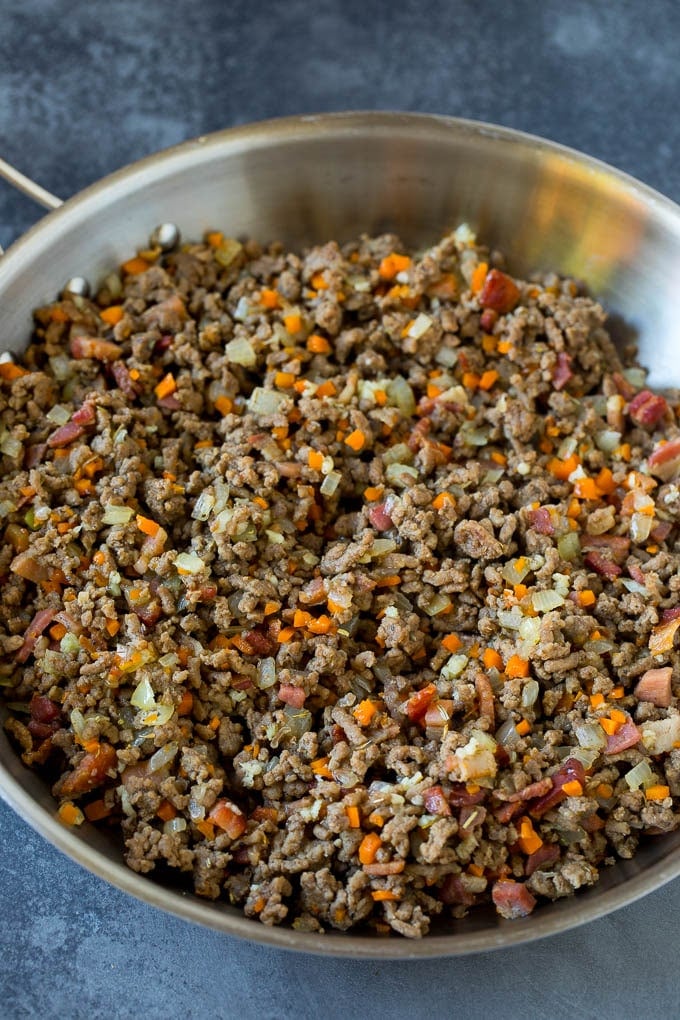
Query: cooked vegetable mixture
[345,583]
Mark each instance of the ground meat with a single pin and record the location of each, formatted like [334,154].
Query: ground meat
[326,586]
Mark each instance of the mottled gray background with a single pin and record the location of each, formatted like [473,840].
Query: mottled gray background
[88,87]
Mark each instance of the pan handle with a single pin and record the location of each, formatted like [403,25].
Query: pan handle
[23,183]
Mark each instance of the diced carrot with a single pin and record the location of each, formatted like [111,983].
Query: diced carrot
[499,458]
[293,323]
[96,810]
[166,386]
[376,819]
[186,703]
[206,828]
[373,492]
[475,869]
[83,486]
[391,581]
[369,847]
[529,840]
[470,380]
[70,814]
[353,817]
[214,723]
[365,711]
[321,625]
[146,525]
[610,726]
[478,277]
[318,344]
[224,405]
[492,659]
[393,264]
[657,792]
[166,811]
[563,468]
[616,693]
[517,667]
[112,315]
[489,343]
[596,700]
[380,397]
[285,634]
[135,265]
[315,460]
[284,380]
[301,618]
[320,768]
[270,607]
[488,379]
[58,314]
[520,591]
[573,788]
[618,716]
[504,346]
[326,389]
[269,298]
[451,643]
[356,440]
[383,895]
[57,631]
[523,727]
[605,481]
[135,374]
[318,281]
[604,790]
[443,499]
[214,238]
[587,488]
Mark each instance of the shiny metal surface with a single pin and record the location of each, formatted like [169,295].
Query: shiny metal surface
[308,179]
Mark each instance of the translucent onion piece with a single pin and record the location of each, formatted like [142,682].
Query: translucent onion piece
[266,402]
[58,414]
[590,734]
[158,715]
[382,546]
[516,570]
[530,693]
[419,326]
[330,483]
[266,673]
[453,667]
[162,757]
[640,527]
[608,440]
[203,506]
[640,775]
[402,475]
[439,603]
[143,695]
[175,825]
[69,644]
[399,453]
[544,601]
[507,734]
[569,546]
[189,563]
[114,514]
[11,447]
[400,394]
[241,352]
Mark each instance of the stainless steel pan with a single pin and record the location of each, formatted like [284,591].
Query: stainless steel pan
[308,179]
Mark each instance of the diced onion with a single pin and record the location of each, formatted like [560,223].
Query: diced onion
[511,619]
[446,356]
[114,514]
[158,716]
[637,377]
[453,667]
[266,402]
[77,722]
[175,825]
[58,414]
[589,734]
[567,447]
[400,394]
[569,546]
[241,352]
[516,570]
[6,507]
[330,483]
[227,251]
[544,601]
[507,734]
[266,673]
[640,775]
[586,755]
[640,527]
[61,367]
[634,586]
[608,440]
[189,563]
[530,693]
[402,475]
[163,756]
[143,695]
[439,603]
[275,537]
[11,447]
[69,644]
[203,506]
[419,326]
[382,546]
[242,310]
[399,453]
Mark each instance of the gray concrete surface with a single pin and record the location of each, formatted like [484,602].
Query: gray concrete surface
[88,87]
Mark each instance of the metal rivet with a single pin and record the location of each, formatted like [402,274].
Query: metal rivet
[166,236]
[77,285]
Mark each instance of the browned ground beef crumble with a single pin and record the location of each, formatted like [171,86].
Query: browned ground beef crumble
[345,583]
